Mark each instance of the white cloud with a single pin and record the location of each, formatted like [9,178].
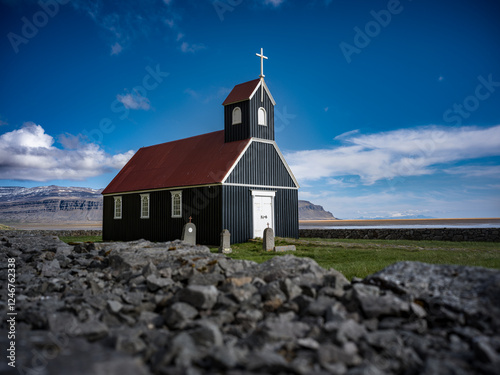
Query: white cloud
[169,22]
[398,153]
[346,134]
[191,48]
[29,154]
[274,3]
[209,95]
[476,171]
[29,136]
[192,93]
[134,101]
[116,48]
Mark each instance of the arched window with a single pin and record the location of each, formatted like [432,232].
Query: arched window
[118,207]
[144,206]
[176,203]
[262,118]
[236,116]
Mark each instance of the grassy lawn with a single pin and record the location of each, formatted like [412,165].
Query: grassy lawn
[81,239]
[363,257]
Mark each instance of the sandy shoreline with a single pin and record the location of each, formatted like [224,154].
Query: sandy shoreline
[302,223]
[400,222]
[94,225]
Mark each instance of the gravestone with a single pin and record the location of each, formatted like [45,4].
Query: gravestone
[285,248]
[189,233]
[225,242]
[268,239]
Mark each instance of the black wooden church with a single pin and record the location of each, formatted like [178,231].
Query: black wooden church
[235,179]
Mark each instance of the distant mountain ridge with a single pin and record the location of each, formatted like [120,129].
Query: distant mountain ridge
[50,204]
[56,204]
[310,211]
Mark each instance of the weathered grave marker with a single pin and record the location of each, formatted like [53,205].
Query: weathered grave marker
[268,239]
[189,233]
[225,242]
[285,248]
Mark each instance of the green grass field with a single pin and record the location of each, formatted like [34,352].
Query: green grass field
[361,258]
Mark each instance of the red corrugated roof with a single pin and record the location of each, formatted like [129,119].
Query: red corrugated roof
[204,159]
[241,92]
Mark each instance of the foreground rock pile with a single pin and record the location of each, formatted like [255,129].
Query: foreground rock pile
[168,308]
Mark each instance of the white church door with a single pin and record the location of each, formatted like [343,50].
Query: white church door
[263,211]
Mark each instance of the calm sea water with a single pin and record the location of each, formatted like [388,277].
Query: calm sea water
[398,226]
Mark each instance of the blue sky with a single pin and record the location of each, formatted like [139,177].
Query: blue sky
[384,108]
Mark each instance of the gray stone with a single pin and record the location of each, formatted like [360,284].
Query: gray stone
[319,306]
[51,269]
[291,289]
[285,248]
[266,361]
[183,351]
[130,344]
[485,351]
[93,330]
[308,343]
[280,330]
[249,315]
[347,355]
[199,296]
[133,298]
[367,369]
[207,334]
[447,288]
[268,239]
[189,234]
[151,319]
[154,282]
[114,306]
[349,330]
[224,356]
[273,291]
[243,293]
[179,315]
[225,242]
[206,279]
[149,269]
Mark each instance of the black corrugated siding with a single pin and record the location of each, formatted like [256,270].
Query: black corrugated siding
[261,165]
[237,212]
[203,204]
[260,131]
[239,131]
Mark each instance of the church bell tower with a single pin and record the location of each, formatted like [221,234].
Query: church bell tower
[249,109]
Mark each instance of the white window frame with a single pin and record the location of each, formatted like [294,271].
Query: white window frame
[236,116]
[144,206]
[263,110]
[176,214]
[118,207]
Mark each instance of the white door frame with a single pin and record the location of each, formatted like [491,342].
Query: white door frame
[263,193]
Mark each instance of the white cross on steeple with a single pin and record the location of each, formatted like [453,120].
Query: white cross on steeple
[262,57]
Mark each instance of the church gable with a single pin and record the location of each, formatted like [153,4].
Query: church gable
[262,165]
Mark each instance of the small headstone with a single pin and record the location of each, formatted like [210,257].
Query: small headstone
[268,239]
[189,233]
[285,248]
[225,242]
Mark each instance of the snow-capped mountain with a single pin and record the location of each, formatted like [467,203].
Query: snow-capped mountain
[50,204]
